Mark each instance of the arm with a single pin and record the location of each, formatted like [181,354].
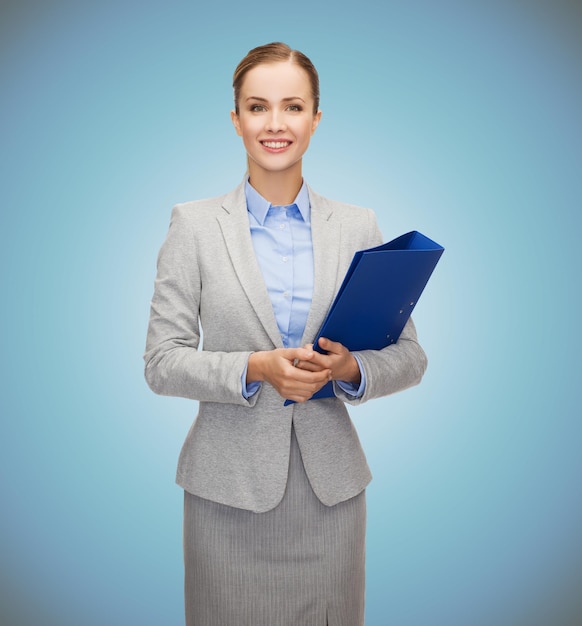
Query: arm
[394,368]
[173,364]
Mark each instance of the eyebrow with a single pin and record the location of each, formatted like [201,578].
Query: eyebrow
[289,99]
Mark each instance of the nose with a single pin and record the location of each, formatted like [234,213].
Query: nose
[275,122]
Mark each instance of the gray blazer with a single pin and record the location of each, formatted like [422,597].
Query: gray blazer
[209,289]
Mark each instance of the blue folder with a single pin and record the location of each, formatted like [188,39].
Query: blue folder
[378,294]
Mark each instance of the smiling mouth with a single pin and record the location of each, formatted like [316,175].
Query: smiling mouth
[276,145]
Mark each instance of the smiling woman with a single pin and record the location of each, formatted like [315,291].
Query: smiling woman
[276,114]
[274,515]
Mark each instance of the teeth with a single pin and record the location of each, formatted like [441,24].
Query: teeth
[275,144]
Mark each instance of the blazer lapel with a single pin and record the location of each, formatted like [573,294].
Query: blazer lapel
[326,238]
[234,223]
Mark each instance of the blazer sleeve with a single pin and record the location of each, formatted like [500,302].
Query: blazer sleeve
[394,368]
[174,365]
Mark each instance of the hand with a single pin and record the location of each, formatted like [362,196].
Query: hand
[277,367]
[339,360]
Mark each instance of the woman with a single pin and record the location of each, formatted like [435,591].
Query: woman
[274,518]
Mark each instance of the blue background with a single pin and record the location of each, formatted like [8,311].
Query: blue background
[458,119]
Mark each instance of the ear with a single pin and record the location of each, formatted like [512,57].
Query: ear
[236,122]
[316,120]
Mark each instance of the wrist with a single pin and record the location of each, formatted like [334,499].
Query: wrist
[254,368]
[354,374]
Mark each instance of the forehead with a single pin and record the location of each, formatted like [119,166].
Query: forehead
[276,80]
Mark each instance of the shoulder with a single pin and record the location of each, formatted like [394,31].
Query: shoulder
[195,224]
[356,218]
[196,209]
[323,201]
[196,213]
[344,211]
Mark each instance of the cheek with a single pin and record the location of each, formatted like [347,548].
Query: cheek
[308,131]
[248,129]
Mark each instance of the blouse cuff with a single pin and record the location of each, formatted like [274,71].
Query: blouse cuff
[248,391]
[357,391]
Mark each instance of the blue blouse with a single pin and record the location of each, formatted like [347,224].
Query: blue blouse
[281,237]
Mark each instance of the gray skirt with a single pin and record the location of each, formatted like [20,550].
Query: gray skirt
[300,564]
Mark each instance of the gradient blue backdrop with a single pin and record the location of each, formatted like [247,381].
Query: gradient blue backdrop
[459,119]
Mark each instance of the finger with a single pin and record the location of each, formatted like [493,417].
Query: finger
[298,354]
[331,346]
[301,393]
[309,366]
[315,376]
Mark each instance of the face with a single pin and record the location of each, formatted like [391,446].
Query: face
[275,118]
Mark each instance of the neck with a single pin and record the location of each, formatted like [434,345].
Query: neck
[279,188]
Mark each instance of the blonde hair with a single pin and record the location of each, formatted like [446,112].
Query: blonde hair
[272,53]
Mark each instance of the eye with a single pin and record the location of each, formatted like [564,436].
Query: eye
[257,108]
[295,108]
